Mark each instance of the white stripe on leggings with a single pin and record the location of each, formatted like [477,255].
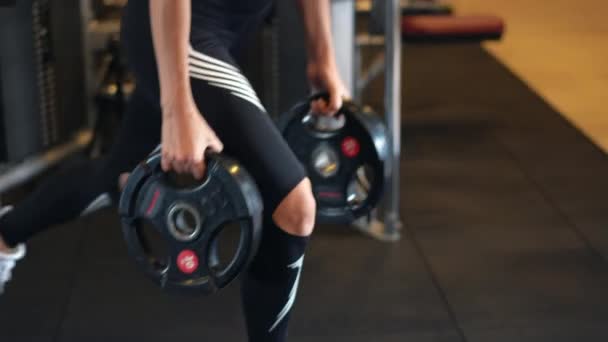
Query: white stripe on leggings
[218,78]
[223,75]
[236,90]
[292,294]
[101,201]
[218,71]
[206,58]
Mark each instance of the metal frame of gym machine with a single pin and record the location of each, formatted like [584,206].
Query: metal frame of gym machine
[14,173]
[385,223]
[94,35]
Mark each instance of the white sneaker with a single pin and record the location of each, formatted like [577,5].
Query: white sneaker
[8,260]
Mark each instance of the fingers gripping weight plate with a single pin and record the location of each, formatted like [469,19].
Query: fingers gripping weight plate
[188,219]
[345,157]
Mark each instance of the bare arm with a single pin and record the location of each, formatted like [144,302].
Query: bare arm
[322,70]
[170,20]
[185,133]
[317,25]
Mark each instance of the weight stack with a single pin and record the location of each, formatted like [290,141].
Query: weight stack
[42,91]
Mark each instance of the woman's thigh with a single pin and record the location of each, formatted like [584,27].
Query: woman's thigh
[231,107]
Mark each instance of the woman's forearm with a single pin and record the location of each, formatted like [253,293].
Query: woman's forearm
[317,24]
[170,20]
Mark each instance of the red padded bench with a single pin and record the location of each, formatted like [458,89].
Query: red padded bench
[452,28]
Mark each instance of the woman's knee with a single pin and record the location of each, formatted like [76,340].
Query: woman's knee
[297,211]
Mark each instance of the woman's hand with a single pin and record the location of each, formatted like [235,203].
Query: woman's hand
[325,77]
[186,137]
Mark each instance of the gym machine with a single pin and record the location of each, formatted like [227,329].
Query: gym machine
[42,101]
[57,76]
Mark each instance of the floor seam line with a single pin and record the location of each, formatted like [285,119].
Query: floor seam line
[79,255]
[434,280]
[593,251]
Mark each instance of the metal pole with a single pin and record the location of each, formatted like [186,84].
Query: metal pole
[15,175]
[343,34]
[86,15]
[392,106]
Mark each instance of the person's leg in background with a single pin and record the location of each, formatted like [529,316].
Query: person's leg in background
[80,188]
[91,184]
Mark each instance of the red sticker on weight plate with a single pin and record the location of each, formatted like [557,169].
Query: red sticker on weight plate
[329,194]
[187,261]
[350,147]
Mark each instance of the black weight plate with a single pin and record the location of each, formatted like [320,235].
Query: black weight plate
[362,141]
[189,219]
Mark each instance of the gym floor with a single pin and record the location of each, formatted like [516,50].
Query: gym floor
[504,239]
